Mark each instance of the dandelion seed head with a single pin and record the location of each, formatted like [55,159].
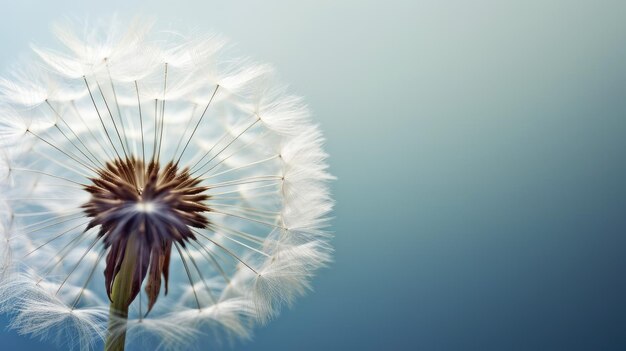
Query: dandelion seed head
[201,166]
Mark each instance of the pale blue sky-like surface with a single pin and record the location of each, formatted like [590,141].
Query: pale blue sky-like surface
[479,149]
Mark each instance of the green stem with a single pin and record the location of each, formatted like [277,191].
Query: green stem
[120,294]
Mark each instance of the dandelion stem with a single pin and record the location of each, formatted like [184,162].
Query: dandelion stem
[120,296]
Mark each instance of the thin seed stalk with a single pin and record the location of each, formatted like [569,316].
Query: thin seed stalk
[120,296]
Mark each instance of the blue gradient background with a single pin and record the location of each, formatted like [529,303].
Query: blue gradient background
[479,149]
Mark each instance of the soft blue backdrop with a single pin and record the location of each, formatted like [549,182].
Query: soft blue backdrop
[479,149]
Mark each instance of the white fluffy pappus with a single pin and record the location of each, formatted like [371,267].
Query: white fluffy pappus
[120,92]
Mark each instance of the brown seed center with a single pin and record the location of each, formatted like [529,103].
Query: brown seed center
[156,206]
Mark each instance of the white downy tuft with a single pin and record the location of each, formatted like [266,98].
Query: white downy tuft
[118,92]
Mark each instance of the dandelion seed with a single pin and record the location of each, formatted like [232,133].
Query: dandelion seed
[152,185]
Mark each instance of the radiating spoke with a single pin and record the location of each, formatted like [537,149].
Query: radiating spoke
[95,158]
[197,124]
[82,257]
[248,219]
[66,153]
[100,117]
[106,104]
[54,238]
[210,258]
[117,105]
[222,149]
[206,286]
[195,294]
[91,272]
[230,253]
